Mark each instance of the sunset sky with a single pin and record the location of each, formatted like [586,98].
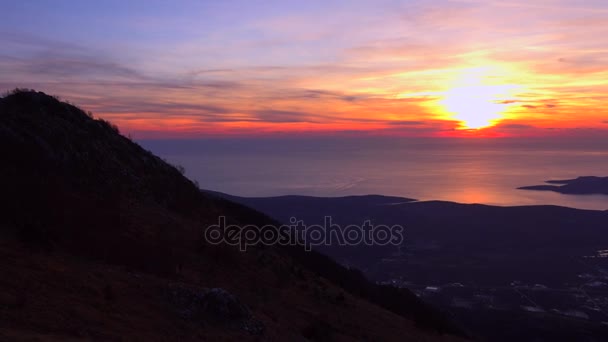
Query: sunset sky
[224,68]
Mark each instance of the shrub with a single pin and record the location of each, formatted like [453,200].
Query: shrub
[17,91]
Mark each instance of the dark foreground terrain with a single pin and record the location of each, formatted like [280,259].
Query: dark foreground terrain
[102,240]
[537,273]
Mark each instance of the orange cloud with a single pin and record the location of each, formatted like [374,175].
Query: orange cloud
[467,68]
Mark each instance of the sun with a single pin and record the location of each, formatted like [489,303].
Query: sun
[476,102]
[474,106]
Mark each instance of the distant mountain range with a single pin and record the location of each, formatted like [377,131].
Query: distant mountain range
[588,185]
[102,240]
[492,268]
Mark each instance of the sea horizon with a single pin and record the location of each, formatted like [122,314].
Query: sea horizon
[450,169]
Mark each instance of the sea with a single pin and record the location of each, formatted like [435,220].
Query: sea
[464,170]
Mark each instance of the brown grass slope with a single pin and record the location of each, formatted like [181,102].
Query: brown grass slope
[102,240]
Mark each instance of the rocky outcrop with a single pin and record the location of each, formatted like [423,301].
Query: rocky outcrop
[213,306]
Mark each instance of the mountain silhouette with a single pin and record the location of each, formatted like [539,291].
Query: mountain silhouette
[101,239]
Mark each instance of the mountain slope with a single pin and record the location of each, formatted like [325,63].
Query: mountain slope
[100,239]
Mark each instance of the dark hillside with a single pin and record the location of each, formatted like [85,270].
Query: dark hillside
[100,239]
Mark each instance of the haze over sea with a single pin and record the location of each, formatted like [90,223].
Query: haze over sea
[459,170]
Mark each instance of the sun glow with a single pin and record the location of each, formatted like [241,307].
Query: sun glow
[476,100]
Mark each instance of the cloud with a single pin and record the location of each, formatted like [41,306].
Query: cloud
[60,67]
[222,75]
[42,59]
[514,126]
[406,123]
[134,106]
[20,40]
[284,116]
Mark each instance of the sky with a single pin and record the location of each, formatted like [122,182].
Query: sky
[441,68]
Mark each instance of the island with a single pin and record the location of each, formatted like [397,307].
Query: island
[588,185]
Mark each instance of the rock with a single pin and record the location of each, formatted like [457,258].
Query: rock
[223,306]
[216,306]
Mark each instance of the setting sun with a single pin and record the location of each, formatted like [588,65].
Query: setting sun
[474,101]
[474,106]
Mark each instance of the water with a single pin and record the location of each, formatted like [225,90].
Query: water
[459,170]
